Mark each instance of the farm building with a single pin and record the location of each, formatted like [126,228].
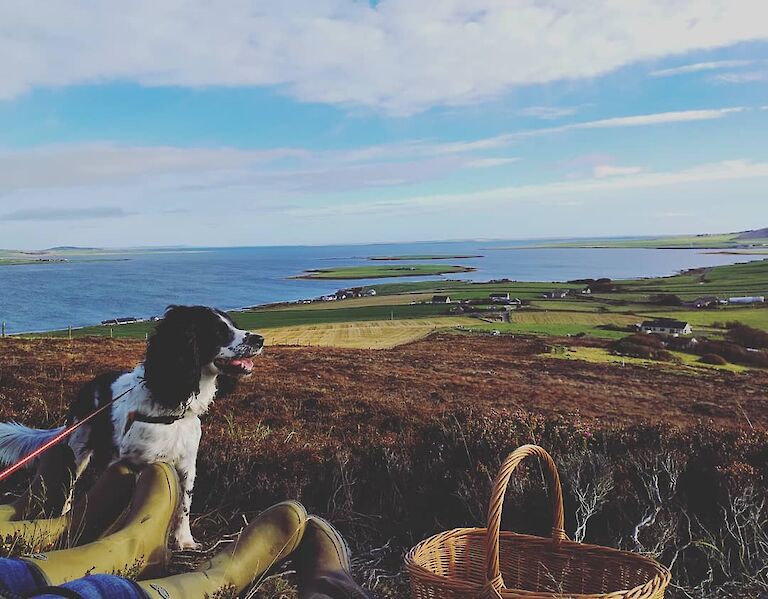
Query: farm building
[704,302]
[666,326]
[441,299]
[557,294]
[759,299]
[123,320]
[498,297]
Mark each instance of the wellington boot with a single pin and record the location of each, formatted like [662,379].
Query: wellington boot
[139,547]
[323,564]
[91,517]
[265,542]
[48,490]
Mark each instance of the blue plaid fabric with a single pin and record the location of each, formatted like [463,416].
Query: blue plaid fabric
[19,578]
[96,586]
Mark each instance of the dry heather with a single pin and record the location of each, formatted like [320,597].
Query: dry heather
[394,445]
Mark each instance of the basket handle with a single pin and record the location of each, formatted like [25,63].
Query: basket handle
[494,582]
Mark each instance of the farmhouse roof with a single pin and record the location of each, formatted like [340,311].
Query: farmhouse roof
[666,323]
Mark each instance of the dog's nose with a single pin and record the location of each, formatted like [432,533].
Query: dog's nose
[254,340]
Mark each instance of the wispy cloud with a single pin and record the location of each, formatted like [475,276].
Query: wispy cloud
[555,192]
[641,120]
[742,77]
[490,162]
[396,56]
[548,113]
[61,214]
[608,170]
[284,169]
[657,118]
[701,66]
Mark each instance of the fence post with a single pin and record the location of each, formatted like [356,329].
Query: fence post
[69,332]
[3,329]
[111,333]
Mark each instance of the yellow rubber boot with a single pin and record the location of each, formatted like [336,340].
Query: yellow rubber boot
[48,490]
[265,542]
[139,547]
[96,514]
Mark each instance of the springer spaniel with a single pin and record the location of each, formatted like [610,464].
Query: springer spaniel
[157,418]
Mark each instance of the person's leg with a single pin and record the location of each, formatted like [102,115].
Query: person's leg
[265,542]
[91,517]
[97,586]
[139,547]
[49,489]
[323,564]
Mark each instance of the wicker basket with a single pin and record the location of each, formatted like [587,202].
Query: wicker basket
[488,563]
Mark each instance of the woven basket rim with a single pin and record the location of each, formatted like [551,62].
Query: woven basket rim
[655,569]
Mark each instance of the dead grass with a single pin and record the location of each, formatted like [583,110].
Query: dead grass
[394,445]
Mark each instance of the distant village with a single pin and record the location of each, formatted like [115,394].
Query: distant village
[497,306]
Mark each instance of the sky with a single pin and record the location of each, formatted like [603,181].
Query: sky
[243,122]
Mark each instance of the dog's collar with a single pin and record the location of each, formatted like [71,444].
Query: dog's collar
[139,417]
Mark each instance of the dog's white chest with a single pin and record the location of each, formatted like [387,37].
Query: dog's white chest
[173,443]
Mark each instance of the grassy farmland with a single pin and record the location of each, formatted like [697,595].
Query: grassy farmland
[371,334]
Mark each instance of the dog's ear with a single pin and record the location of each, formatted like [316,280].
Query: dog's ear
[172,367]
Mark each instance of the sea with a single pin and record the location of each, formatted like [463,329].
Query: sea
[140,283]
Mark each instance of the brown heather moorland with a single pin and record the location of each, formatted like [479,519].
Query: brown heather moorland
[394,445]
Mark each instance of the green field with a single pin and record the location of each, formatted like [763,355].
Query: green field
[380,272]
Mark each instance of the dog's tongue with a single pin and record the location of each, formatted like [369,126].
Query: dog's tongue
[245,363]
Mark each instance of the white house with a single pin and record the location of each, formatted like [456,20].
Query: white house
[666,326]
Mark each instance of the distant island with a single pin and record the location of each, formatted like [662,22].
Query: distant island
[424,257]
[380,272]
[67,253]
[743,240]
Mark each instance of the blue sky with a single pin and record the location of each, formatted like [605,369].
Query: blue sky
[329,121]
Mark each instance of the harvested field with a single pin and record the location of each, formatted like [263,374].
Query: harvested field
[373,334]
[394,445]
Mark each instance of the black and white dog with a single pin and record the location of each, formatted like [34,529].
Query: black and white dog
[158,417]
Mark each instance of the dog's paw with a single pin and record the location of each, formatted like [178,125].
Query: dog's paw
[188,544]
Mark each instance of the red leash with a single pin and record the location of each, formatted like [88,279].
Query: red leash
[62,435]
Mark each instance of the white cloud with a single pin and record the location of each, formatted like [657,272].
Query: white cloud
[489,162]
[399,56]
[702,66]
[655,119]
[606,170]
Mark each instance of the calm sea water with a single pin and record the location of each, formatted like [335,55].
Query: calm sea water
[81,292]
